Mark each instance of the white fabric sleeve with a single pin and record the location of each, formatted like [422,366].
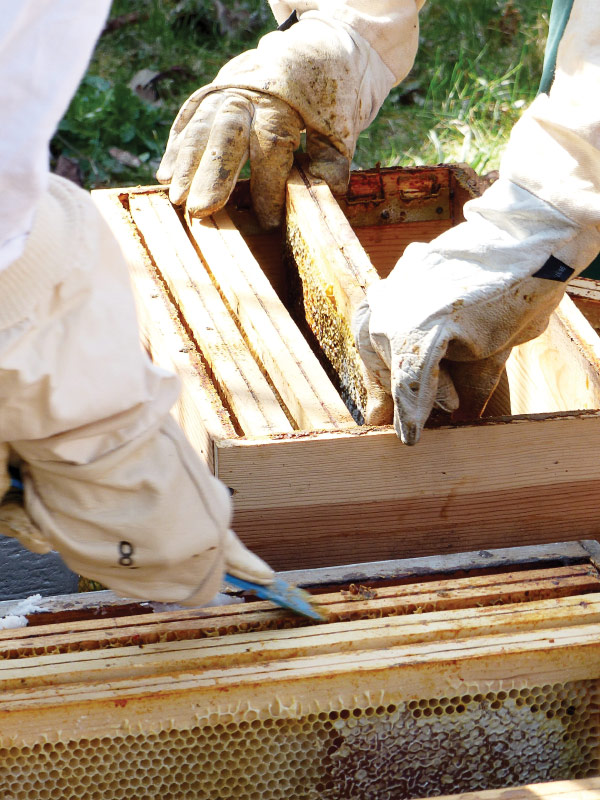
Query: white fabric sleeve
[45,46]
[110,480]
[554,149]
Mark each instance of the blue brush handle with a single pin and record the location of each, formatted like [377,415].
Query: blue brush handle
[278,592]
[282,594]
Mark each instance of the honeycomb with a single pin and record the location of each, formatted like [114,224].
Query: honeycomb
[396,750]
[330,327]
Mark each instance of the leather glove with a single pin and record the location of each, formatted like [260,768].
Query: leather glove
[164,544]
[319,75]
[437,332]
[16,523]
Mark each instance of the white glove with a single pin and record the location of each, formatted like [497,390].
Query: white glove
[438,330]
[320,75]
[242,563]
[18,524]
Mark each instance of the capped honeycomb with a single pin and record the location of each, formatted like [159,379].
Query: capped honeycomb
[392,751]
[331,329]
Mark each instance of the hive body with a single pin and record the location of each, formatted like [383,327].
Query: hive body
[411,690]
[271,396]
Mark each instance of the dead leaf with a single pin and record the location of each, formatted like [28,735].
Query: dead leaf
[145,82]
[68,168]
[124,157]
[116,23]
[509,22]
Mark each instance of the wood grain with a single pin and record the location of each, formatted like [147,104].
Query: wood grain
[560,369]
[199,409]
[240,380]
[300,380]
[333,498]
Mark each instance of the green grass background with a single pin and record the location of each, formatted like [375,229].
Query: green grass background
[478,66]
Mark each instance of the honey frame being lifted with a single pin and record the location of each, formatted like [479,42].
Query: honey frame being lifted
[310,485]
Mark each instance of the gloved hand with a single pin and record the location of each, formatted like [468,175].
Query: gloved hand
[242,563]
[16,523]
[437,332]
[165,534]
[321,75]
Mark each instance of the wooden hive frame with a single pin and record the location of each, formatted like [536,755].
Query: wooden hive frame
[496,683]
[261,409]
[586,789]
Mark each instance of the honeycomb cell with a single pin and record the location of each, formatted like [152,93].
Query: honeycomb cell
[423,747]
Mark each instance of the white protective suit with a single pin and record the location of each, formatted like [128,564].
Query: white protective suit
[438,330]
[110,480]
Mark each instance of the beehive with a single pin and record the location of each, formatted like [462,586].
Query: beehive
[339,246]
[420,684]
[263,404]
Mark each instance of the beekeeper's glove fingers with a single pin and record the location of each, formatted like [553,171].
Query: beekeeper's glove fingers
[219,134]
[242,563]
[408,395]
[419,381]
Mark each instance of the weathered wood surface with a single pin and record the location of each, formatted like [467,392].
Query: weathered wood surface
[297,685]
[532,557]
[199,409]
[300,380]
[357,494]
[99,609]
[240,380]
[390,208]
[384,244]
[541,595]
[429,613]
[430,633]
[334,271]
[585,293]
[171,683]
[361,495]
[560,369]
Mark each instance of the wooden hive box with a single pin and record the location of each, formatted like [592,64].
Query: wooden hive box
[262,402]
[458,674]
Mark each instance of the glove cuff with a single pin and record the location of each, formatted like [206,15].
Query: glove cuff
[329,74]
[324,70]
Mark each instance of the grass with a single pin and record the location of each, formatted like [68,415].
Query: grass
[478,66]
